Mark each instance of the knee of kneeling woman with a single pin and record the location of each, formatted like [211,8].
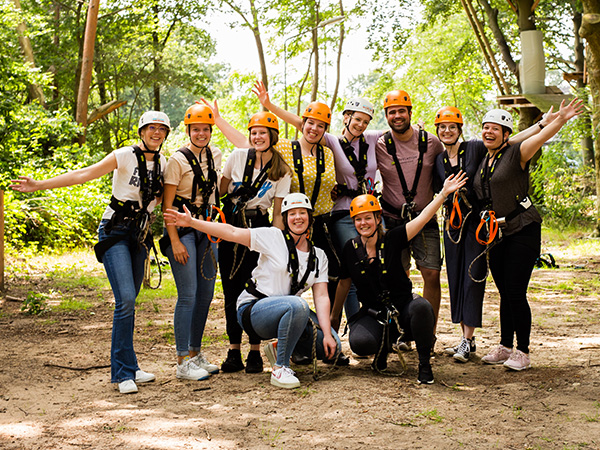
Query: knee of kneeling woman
[298,306]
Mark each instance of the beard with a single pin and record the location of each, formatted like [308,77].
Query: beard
[400,128]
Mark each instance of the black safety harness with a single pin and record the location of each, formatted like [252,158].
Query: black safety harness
[234,204]
[407,211]
[130,212]
[297,285]
[359,164]
[489,223]
[299,169]
[388,313]
[454,210]
[205,185]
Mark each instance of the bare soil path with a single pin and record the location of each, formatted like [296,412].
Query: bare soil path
[555,405]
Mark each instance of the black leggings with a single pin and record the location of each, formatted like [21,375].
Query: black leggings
[416,319]
[511,263]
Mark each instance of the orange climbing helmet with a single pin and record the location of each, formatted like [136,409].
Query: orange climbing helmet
[448,114]
[318,111]
[364,203]
[198,113]
[264,119]
[396,98]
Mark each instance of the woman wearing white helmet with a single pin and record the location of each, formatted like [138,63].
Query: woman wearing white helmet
[514,225]
[123,233]
[271,305]
[355,165]
[191,179]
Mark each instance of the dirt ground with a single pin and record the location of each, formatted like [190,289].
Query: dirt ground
[555,405]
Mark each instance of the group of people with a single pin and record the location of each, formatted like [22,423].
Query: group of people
[329,229]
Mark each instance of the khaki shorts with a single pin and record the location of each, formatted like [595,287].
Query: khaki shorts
[424,247]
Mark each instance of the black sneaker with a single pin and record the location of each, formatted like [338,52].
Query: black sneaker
[425,374]
[452,350]
[233,363]
[342,360]
[254,362]
[300,359]
[463,352]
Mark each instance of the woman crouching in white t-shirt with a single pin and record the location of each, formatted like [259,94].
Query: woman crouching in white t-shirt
[271,306]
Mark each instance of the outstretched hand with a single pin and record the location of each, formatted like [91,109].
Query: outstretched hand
[214,107]
[24,184]
[454,183]
[260,91]
[175,218]
[574,108]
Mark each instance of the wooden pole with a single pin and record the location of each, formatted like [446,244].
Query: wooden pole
[87,65]
[1,240]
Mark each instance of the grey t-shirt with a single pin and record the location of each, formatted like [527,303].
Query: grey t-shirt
[509,185]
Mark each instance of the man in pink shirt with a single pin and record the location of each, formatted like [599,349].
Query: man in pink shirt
[406,158]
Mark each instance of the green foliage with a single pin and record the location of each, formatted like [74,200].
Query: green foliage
[562,187]
[35,303]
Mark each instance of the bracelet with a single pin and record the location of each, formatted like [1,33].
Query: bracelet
[540,125]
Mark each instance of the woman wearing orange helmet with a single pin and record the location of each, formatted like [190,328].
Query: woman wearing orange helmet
[254,180]
[466,272]
[191,179]
[390,312]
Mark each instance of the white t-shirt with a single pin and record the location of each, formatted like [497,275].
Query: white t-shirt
[234,170]
[271,275]
[126,179]
[179,172]
[344,171]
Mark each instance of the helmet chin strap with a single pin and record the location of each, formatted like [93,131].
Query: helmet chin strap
[147,150]
[192,142]
[298,234]
[374,232]
[347,128]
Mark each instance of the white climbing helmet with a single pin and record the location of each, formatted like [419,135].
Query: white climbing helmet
[295,200]
[154,117]
[500,117]
[359,104]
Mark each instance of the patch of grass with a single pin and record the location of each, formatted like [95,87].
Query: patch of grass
[432,415]
[208,339]
[270,434]
[304,392]
[167,290]
[71,304]
[594,417]
[517,410]
[168,334]
[35,304]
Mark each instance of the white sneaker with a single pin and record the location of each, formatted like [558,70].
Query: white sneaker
[187,370]
[127,387]
[201,362]
[143,377]
[284,378]
[270,350]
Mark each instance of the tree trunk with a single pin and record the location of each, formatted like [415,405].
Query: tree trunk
[35,91]
[56,44]
[339,59]
[315,50]
[259,45]
[87,64]
[156,62]
[587,143]
[79,39]
[590,30]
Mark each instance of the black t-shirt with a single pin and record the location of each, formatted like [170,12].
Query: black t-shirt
[369,284]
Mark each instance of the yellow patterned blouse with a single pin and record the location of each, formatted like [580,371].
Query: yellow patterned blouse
[324,203]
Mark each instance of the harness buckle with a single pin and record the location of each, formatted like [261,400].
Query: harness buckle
[407,211]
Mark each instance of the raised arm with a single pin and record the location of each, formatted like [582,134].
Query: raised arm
[452,183]
[215,229]
[263,96]
[79,176]
[233,135]
[535,128]
[532,144]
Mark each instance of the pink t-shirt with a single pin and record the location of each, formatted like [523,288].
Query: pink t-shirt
[408,156]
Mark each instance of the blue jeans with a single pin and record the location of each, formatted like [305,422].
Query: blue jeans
[124,264]
[195,282]
[286,318]
[342,230]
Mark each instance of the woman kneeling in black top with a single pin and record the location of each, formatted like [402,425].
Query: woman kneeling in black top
[372,261]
